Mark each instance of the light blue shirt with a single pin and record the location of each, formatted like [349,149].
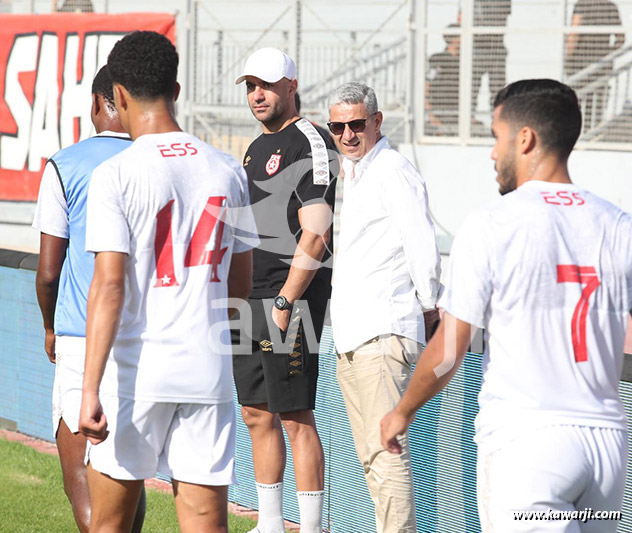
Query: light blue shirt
[61,211]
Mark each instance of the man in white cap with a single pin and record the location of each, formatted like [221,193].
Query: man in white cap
[292,191]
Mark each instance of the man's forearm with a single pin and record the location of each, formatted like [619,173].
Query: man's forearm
[47,300]
[309,252]
[105,304]
[51,260]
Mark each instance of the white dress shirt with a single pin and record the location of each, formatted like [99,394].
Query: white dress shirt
[387,265]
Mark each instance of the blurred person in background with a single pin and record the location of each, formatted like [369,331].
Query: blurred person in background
[73,6]
[442,87]
[586,49]
[489,54]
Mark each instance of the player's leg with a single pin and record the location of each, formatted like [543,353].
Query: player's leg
[70,443]
[607,451]
[268,445]
[531,480]
[295,375]
[201,508]
[139,518]
[114,502]
[309,467]
[269,458]
[199,455]
[266,434]
[291,375]
[307,450]
[72,452]
[70,354]
[129,455]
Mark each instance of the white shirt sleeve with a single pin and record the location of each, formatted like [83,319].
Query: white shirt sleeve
[408,205]
[243,220]
[51,211]
[624,242]
[469,285]
[107,229]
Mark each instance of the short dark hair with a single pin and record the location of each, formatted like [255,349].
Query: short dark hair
[102,85]
[549,107]
[146,64]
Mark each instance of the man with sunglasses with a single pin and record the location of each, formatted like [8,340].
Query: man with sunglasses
[291,174]
[385,287]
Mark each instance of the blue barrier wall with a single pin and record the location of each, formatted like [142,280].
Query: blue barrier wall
[443,452]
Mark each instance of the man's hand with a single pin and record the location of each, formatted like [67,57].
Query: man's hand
[281,318]
[393,425]
[92,421]
[49,345]
[435,369]
[431,322]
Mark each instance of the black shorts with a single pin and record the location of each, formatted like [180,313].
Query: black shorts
[275,367]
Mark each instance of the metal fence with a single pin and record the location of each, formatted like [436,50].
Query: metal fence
[374,50]
[435,64]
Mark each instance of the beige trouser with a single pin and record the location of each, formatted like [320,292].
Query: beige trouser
[372,380]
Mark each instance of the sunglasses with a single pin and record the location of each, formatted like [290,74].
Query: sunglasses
[356,126]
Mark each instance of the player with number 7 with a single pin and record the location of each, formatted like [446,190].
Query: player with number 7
[547,271]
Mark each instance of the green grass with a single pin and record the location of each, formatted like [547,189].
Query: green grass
[32,498]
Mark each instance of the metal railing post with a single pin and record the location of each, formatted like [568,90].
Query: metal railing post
[465,65]
[411,64]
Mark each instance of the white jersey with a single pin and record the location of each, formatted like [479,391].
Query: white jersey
[179,208]
[547,270]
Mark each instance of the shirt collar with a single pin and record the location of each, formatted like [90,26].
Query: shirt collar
[108,133]
[363,163]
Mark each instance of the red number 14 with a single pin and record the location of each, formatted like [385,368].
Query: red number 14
[587,276]
[198,252]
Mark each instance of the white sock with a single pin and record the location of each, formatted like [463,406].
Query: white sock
[270,509]
[310,504]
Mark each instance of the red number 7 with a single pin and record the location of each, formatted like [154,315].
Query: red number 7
[587,276]
[197,252]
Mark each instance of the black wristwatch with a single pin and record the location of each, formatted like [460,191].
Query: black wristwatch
[281,303]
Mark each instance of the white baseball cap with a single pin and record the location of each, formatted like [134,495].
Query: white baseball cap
[268,64]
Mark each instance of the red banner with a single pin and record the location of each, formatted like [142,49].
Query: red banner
[47,63]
